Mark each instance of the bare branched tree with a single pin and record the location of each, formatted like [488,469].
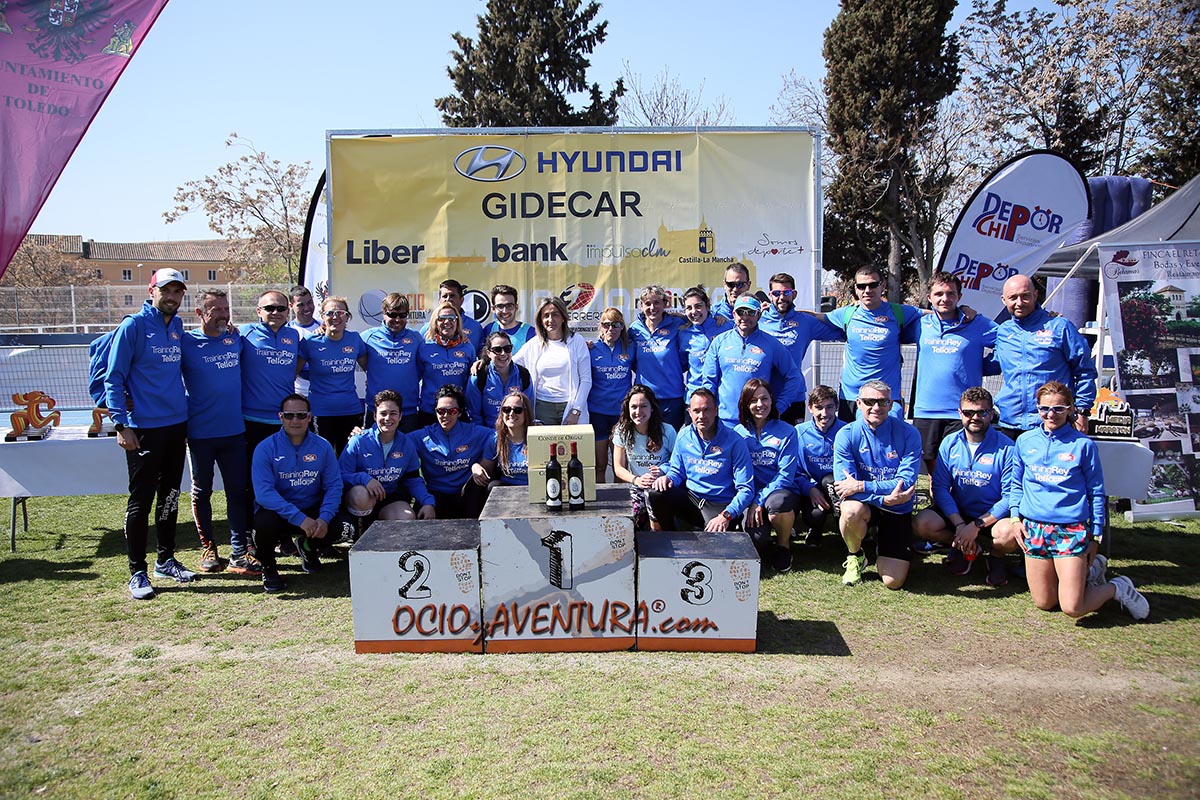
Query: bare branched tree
[665,102]
[256,202]
[38,264]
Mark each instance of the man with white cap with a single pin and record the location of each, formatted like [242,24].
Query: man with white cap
[144,365]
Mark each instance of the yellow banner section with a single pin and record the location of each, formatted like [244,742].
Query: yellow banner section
[591,217]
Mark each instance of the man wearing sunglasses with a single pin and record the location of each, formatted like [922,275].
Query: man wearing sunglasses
[392,359]
[975,466]
[795,331]
[1034,348]
[504,306]
[875,463]
[737,283]
[746,352]
[297,488]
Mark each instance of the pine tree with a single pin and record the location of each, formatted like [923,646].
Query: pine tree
[1174,108]
[529,57]
[888,66]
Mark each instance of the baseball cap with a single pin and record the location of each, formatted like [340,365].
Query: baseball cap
[746,301]
[162,277]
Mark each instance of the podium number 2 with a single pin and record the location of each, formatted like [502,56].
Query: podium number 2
[416,566]
[697,591]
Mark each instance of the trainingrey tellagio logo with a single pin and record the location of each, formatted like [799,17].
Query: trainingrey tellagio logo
[489,163]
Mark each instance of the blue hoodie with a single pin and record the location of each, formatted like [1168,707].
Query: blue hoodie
[1058,479]
[364,458]
[613,367]
[873,340]
[879,458]
[484,406]
[816,453]
[1035,350]
[733,359]
[213,376]
[289,479]
[775,456]
[331,366]
[268,369]
[660,357]
[145,362]
[974,485]
[951,358]
[719,471]
[440,365]
[392,364]
[696,340]
[446,459]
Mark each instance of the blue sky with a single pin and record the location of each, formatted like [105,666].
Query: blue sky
[282,73]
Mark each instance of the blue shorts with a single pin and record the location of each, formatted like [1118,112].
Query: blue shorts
[1050,540]
[602,424]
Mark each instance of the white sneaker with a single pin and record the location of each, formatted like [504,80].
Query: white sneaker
[1097,571]
[1130,598]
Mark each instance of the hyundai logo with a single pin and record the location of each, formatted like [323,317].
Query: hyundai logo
[489,163]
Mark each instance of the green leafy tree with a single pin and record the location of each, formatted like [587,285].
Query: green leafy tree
[530,56]
[889,66]
[1173,104]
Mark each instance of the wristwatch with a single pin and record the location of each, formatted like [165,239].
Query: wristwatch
[119,427]
[979,523]
[728,517]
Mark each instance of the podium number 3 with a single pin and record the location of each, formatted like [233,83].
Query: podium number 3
[416,566]
[697,591]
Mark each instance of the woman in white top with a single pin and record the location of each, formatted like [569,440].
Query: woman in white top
[560,367]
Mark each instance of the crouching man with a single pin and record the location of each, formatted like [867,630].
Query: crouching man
[877,458]
[974,470]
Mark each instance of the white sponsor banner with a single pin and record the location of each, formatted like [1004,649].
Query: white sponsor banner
[1152,297]
[1024,211]
[316,245]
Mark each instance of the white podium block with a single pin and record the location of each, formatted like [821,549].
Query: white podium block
[557,582]
[698,591]
[414,587]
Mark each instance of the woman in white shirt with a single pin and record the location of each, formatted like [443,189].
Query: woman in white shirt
[560,367]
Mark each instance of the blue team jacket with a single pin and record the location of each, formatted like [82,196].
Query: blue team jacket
[974,485]
[719,471]
[289,478]
[145,362]
[364,459]
[879,457]
[1058,479]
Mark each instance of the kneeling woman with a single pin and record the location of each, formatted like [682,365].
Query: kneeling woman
[642,447]
[507,462]
[447,450]
[774,450]
[1059,512]
[381,470]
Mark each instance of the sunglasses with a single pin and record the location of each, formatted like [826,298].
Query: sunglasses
[874,401]
[783,293]
[447,319]
[1044,410]
[273,309]
[396,314]
[974,412]
[612,325]
[736,284]
[501,349]
[515,411]
[294,414]
[336,313]
[746,312]
[446,412]
[868,285]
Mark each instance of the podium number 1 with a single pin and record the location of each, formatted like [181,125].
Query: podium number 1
[561,566]
[416,566]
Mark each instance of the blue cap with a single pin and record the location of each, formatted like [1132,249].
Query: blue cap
[748,301]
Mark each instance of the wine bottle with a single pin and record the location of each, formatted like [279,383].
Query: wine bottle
[574,481]
[553,481]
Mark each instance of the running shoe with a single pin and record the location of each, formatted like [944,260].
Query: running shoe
[139,586]
[273,581]
[957,563]
[781,558]
[855,564]
[1097,571]
[997,572]
[245,564]
[1130,598]
[310,562]
[172,569]
[209,560]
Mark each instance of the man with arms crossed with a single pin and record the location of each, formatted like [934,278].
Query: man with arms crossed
[144,363]
[971,480]
[875,462]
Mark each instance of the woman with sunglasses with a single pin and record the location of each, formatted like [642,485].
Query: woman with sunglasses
[697,336]
[507,445]
[613,365]
[447,450]
[642,446]
[443,358]
[392,359]
[331,355]
[559,365]
[1058,511]
[776,454]
[492,376]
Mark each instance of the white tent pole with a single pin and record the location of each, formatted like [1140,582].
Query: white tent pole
[1091,249]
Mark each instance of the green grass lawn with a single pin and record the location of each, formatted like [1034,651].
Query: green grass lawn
[948,689]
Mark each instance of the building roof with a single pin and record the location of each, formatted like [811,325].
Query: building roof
[1169,290]
[207,250]
[67,245]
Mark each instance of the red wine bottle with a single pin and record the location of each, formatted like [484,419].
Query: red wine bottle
[574,481]
[553,481]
